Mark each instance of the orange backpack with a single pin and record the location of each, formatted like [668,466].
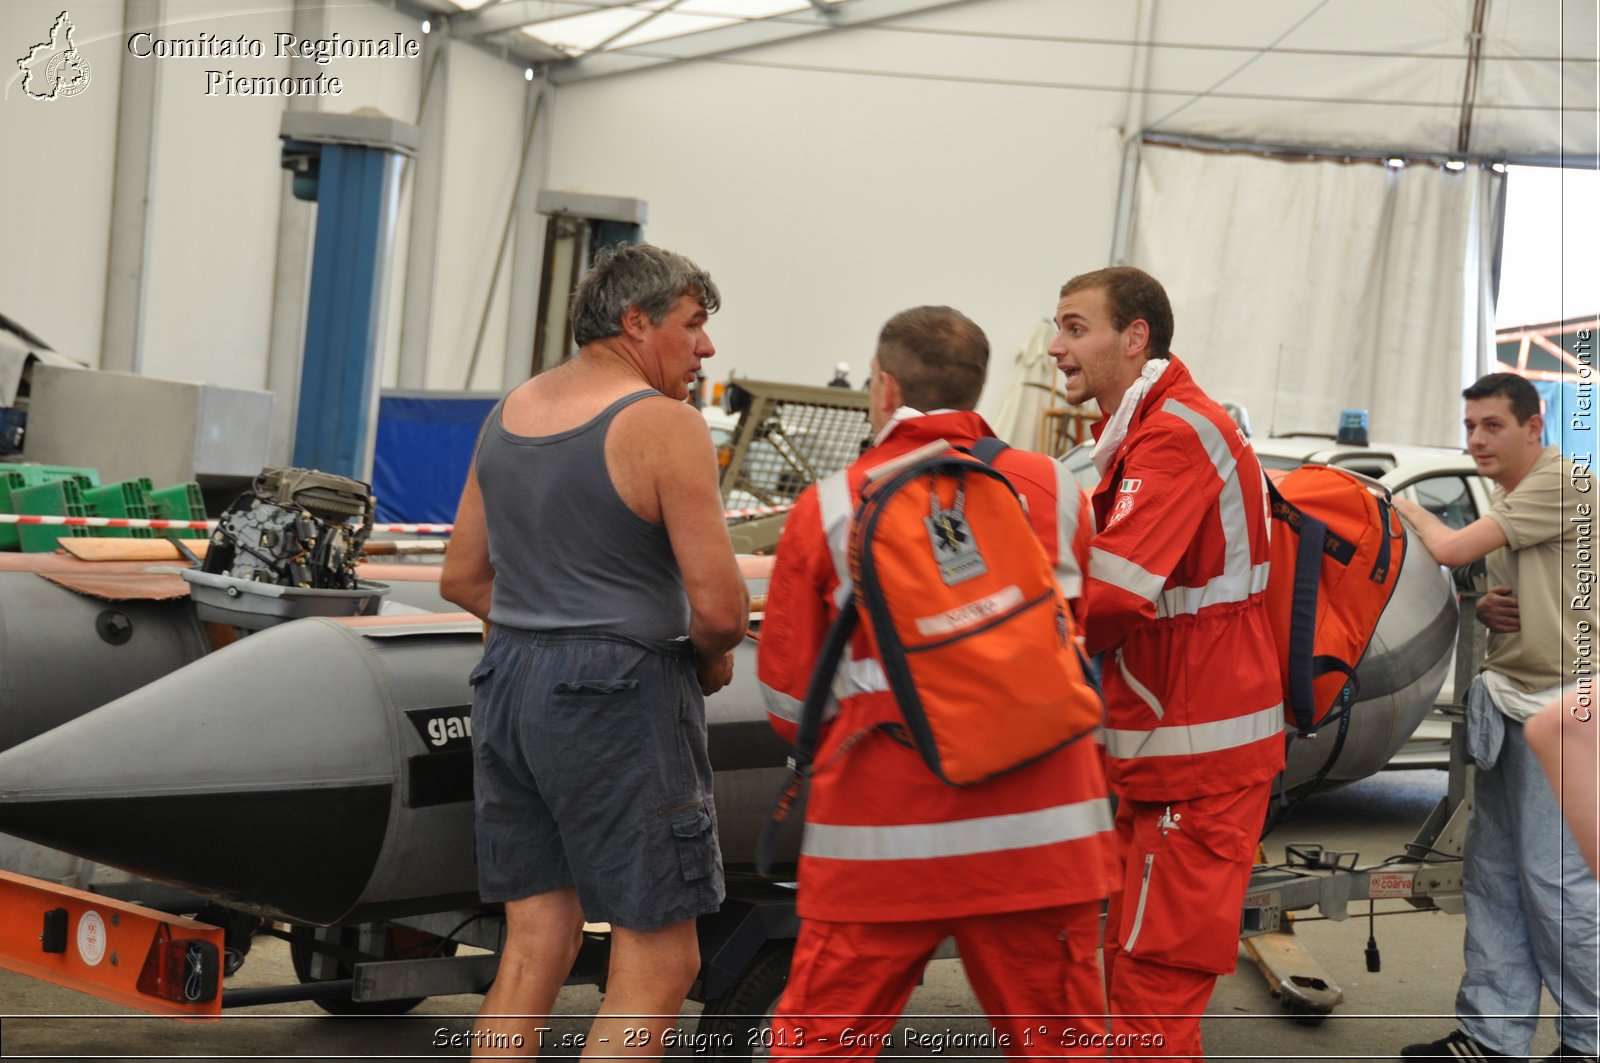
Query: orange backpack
[1337,549]
[963,609]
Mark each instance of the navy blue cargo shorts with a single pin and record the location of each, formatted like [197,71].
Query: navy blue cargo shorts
[590,770]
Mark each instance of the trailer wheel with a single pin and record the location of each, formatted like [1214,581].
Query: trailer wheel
[400,943]
[738,1024]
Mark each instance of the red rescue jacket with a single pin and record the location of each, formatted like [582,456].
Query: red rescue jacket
[884,839]
[1176,601]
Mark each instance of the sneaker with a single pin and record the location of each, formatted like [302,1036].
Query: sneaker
[1563,1054]
[1457,1046]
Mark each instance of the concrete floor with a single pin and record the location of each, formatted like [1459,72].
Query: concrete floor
[1410,999]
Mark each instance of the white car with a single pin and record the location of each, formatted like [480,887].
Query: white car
[1442,480]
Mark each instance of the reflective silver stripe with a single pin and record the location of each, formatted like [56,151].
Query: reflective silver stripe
[1068,497]
[833,499]
[1216,447]
[1239,579]
[1139,688]
[1186,601]
[1195,738]
[838,513]
[1144,895]
[923,841]
[853,677]
[1125,575]
[859,677]
[787,708]
[781,705]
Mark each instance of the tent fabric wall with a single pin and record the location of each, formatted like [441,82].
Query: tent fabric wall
[1301,289]
[485,128]
[55,185]
[213,210]
[1034,386]
[823,203]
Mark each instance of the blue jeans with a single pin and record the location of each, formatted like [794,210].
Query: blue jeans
[1531,909]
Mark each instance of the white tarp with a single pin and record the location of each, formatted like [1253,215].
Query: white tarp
[1301,289]
[1033,386]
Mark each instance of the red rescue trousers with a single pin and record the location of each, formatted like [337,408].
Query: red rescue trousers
[1035,972]
[1174,926]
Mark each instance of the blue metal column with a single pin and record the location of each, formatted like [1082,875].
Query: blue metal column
[349,165]
[357,199]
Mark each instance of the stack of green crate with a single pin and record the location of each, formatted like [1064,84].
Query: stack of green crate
[11,479]
[178,502]
[86,476]
[57,498]
[18,477]
[126,498]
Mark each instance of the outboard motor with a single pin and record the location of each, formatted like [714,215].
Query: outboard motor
[294,528]
[286,549]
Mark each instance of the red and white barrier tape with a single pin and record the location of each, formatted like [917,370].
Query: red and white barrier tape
[206,525]
[756,511]
[416,529]
[103,522]
[201,525]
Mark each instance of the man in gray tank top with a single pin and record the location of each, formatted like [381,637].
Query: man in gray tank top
[590,536]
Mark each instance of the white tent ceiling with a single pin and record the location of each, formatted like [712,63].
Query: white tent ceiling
[577,29]
[1483,77]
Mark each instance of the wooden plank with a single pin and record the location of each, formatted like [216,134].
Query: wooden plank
[91,548]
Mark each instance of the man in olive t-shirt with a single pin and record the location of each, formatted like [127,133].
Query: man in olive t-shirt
[1543,521]
[1530,897]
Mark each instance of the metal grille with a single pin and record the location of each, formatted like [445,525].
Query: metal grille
[789,437]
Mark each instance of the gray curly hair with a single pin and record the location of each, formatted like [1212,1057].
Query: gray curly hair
[642,275]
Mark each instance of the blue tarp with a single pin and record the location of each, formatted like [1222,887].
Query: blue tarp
[423,448]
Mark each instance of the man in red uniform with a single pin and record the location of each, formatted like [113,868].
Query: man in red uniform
[1175,597]
[893,860]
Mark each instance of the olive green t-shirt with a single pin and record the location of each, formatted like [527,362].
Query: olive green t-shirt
[1549,563]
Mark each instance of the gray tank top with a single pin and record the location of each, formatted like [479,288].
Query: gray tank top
[568,553]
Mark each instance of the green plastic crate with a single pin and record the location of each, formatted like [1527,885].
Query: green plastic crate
[15,476]
[85,476]
[179,502]
[63,498]
[125,498]
[10,480]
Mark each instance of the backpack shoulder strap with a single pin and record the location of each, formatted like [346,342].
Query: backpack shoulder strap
[820,690]
[834,647]
[1302,608]
[988,448]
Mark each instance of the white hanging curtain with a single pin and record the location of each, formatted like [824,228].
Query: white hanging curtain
[1033,387]
[1301,289]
